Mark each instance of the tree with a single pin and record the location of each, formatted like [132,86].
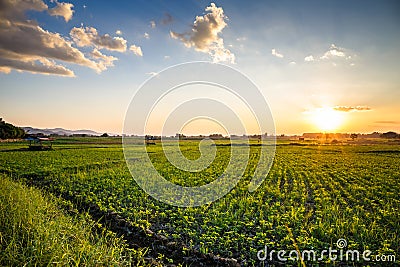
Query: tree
[9,131]
[215,136]
[390,135]
[180,136]
[353,136]
[104,135]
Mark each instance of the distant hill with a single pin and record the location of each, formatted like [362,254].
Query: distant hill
[58,131]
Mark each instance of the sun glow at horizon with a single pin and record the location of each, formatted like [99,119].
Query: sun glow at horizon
[327,119]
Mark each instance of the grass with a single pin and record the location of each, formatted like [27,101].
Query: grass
[35,231]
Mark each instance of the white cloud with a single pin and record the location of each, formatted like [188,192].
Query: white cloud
[89,36]
[40,65]
[103,61]
[29,47]
[275,53]
[204,35]
[146,35]
[62,10]
[293,63]
[152,24]
[334,52]
[335,56]
[5,69]
[26,46]
[309,58]
[118,32]
[136,50]
[14,10]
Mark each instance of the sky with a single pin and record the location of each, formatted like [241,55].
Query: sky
[322,66]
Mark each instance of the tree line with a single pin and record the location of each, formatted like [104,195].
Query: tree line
[9,131]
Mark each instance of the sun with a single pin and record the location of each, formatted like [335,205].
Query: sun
[327,119]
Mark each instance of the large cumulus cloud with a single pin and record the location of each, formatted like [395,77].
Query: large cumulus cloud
[204,35]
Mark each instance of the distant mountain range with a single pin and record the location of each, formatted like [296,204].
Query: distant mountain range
[58,131]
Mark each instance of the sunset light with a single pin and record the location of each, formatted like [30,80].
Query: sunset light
[327,119]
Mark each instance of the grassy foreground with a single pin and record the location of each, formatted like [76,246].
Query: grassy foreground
[35,231]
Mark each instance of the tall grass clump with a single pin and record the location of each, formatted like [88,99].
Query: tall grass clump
[34,230]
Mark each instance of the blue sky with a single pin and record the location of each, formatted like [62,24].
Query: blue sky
[306,57]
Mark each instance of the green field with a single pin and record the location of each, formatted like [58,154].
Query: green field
[313,195]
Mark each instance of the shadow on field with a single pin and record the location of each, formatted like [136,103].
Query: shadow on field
[26,149]
[381,152]
[23,149]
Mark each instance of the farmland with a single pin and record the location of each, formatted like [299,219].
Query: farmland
[313,195]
